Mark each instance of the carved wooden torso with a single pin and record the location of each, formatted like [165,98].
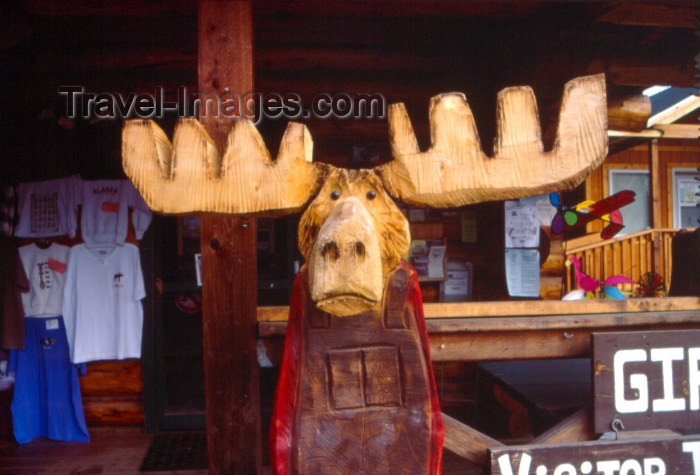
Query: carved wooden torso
[364,386]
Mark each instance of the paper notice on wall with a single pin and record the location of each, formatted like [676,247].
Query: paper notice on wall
[545,210]
[687,193]
[523,272]
[198,267]
[436,262]
[457,286]
[522,224]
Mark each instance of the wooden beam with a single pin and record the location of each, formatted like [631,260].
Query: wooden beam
[468,443]
[629,113]
[118,9]
[679,131]
[575,428]
[560,323]
[675,112]
[537,322]
[669,131]
[522,308]
[651,14]
[642,73]
[534,336]
[229,268]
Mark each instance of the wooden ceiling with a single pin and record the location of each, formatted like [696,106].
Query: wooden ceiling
[407,51]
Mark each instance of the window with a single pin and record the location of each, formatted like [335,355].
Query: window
[686,198]
[635,216]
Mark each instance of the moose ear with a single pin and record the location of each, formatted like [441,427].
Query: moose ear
[455,171]
[191,175]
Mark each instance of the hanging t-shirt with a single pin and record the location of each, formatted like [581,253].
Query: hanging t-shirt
[47,208]
[46,270]
[102,303]
[105,211]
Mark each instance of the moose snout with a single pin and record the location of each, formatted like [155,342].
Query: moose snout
[345,263]
[330,251]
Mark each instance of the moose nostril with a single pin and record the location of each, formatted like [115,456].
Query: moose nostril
[359,249]
[330,251]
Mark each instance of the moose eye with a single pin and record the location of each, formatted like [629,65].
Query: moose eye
[335,195]
[371,194]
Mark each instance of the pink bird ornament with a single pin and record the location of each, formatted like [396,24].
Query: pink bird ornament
[590,285]
[583,281]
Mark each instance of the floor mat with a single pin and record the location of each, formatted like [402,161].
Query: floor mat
[176,451]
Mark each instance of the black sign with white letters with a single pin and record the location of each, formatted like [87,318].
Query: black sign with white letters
[646,380]
[675,455]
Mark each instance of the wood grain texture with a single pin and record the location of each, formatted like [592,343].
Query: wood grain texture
[466,442]
[655,203]
[533,336]
[229,291]
[557,310]
[191,175]
[113,393]
[351,236]
[356,393]
[117,451]
[455,171]
[575,428]
[114,411]
[629,113]
[112,378]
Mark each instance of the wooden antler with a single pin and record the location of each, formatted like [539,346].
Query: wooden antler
[455,171]
[189,175]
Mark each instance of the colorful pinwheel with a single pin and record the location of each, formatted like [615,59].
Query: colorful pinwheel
[606,210]
[651,284]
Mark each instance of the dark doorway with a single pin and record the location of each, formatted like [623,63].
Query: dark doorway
[175,369]
[173,353]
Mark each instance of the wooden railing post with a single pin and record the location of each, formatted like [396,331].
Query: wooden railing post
[655,204]
[631,255]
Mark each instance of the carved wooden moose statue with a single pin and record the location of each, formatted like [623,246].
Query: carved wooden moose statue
[356,392]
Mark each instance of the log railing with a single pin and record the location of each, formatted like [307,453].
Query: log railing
[632,255]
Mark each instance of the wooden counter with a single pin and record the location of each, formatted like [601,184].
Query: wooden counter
[480,331]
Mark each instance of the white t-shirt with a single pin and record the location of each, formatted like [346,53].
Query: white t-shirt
[47,208]
[104,215]
[46,271]
[102,307]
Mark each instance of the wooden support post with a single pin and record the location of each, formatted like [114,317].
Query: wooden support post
[229,270]
[655,203]
[594,192]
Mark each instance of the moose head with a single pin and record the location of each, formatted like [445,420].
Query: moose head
[356,393]
[352,234]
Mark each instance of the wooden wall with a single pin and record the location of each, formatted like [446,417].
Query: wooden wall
[672,154]
[113,393]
